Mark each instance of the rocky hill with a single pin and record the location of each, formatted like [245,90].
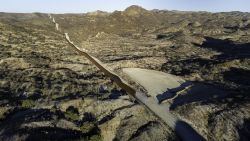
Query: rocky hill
[49,92]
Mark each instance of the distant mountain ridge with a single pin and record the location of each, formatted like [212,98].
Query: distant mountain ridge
[135,10]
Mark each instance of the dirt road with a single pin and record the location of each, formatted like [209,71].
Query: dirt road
[185,131]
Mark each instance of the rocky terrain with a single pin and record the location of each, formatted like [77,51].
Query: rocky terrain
[49,92]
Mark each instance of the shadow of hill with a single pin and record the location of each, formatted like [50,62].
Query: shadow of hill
[244,131]
[51,133]
[235,81]
[12,127]
[188,133]
[215,92]
[188,66]
[199,92]
[238,76]
[229,49]
[233,89]
[12,123]
[19,116]
[218,92]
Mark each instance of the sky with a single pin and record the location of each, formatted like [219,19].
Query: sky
[82,6]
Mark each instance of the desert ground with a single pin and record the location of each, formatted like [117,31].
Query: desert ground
[48,91]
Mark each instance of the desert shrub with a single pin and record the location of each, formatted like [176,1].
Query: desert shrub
[87,126]
[53,109]
[72,113]
[71,116]
[3,112]
[161,36]
[28,103]
[96,138]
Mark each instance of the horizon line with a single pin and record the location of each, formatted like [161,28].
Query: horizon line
[111,11]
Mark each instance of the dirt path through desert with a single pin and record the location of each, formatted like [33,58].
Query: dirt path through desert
[185,131]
